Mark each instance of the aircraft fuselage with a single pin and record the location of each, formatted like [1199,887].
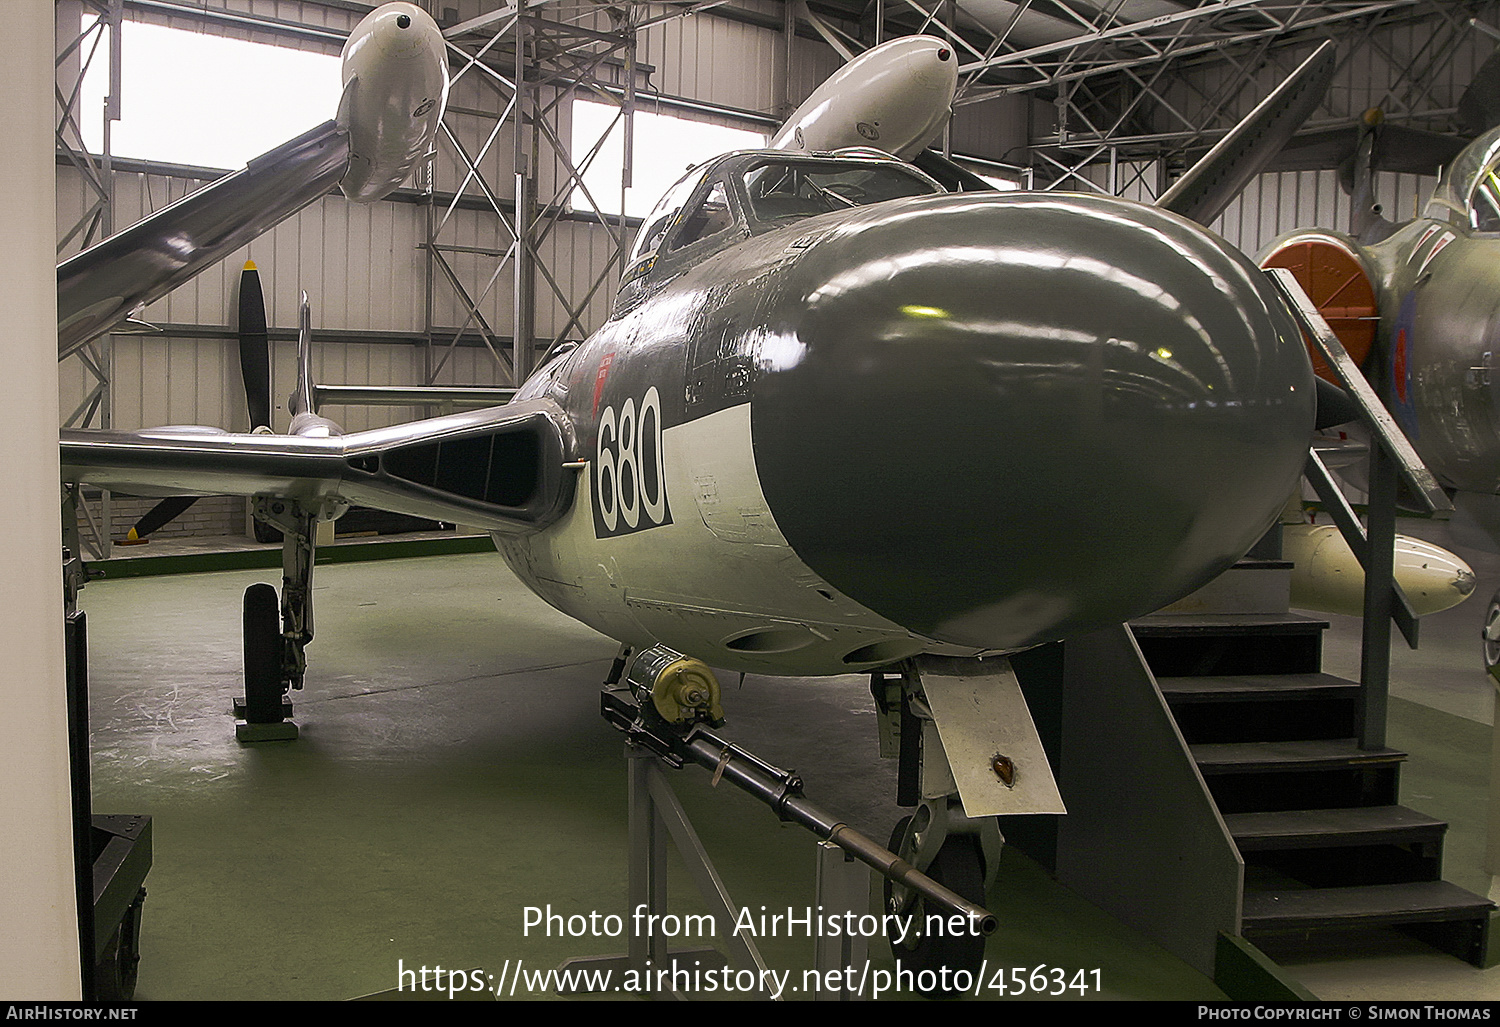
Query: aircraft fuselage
[959,423]
[1433,284]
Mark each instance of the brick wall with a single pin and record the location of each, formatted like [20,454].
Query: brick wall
[211,515]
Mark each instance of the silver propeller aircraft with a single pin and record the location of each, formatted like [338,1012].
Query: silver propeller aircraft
[838,418]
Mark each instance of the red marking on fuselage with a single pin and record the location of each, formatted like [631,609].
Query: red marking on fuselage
[600,378]
[1399,371]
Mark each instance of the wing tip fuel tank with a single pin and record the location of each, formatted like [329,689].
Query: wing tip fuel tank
[395,76]
[895,97]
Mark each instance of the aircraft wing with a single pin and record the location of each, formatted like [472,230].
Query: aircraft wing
[98,288]
[1213,182]
[500,468]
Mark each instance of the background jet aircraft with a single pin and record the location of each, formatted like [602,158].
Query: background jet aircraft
[871,400]
[1419,311]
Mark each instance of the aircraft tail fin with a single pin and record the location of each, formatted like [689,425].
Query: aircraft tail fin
[1212,184]
[301,403]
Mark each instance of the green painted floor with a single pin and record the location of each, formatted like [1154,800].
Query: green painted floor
[454,770]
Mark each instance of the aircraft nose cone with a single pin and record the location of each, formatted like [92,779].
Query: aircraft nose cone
[1001,420]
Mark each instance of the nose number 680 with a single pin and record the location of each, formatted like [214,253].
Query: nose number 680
[629,469]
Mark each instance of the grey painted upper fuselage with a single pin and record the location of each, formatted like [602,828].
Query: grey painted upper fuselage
[993,419]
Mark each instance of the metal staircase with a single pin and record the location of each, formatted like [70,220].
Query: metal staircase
[1296,759]
[1315,817]
[1206,739]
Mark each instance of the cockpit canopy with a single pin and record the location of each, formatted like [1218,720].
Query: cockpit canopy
[1468,193]
[750,192]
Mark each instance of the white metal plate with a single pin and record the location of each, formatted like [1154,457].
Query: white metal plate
[980,711]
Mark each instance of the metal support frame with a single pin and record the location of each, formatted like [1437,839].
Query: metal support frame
[78,47]
[536,63]
[656,815]
[1124,90]
[1138,93]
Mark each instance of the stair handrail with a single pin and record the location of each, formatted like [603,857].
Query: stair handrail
[1373,415]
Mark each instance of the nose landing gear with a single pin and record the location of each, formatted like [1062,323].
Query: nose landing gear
[988,748]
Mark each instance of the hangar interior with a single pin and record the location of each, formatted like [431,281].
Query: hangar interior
[452,769]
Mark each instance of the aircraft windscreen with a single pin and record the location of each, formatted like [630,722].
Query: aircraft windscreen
[802,190]
[1484,202]
[664,214]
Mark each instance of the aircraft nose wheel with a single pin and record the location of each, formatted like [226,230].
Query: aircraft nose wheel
[958,866]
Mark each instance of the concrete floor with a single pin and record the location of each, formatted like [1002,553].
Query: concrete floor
[454,769]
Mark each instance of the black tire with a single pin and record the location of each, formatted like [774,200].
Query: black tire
[1491,647]
[959,867]
[118,968]
[263,643]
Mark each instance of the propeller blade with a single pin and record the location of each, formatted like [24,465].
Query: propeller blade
[255,348]
[162,513]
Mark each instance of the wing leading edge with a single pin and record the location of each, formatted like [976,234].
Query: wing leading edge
[499,468]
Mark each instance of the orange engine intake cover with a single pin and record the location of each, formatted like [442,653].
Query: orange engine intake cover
[1336,282]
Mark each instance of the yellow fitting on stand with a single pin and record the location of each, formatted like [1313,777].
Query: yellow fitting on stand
[686,689]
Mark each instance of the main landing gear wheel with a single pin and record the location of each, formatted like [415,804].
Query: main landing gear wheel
[118,968]
[263,644]
[959,867]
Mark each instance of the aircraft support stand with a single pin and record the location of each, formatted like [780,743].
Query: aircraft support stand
[627,703]
[655,814]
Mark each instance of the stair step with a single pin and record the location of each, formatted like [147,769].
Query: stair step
[1262,707]
[1301,754]
[1255,687]
[1333,828]
[1381,905]
[1161,625]
[1215,644]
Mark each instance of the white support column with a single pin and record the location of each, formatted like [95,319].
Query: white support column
[38,921]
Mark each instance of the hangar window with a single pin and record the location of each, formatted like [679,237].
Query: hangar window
[206,101]
[664,146]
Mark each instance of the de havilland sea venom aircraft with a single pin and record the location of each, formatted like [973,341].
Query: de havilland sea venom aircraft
[839,418]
